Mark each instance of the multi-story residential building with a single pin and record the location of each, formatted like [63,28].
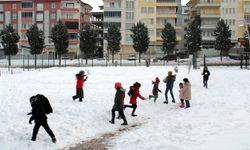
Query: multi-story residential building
[243,17]
[184,20]
[97,24]
[112,16]
[45,13]
[153,13]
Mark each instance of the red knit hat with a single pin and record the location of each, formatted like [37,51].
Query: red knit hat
[157,80]
[118,85]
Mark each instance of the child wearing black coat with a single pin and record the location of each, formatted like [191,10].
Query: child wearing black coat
[38,114]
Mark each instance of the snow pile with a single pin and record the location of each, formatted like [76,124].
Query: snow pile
[219,117]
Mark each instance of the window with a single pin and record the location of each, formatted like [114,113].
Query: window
[129,26]
[1,26]
[14,16]
[129,15]
[130,4]
[70,5]
[40,26]
[53,15]
[27,5]
[150,10]
[13,6]
[128,37]
[26,14]
[14,26]
[23,36]
[111,4]
[1,7]
[1,17]
[26,25]
[39,17]
[53,5]
[247,8]
[73,36]
[39,6]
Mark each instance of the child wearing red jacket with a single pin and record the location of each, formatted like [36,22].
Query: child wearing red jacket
[133,98]
[81,78]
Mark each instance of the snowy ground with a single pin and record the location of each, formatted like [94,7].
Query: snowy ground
[219,117]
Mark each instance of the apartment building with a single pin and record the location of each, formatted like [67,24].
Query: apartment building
[236,14]
[97,24]
[112,16]
[153,13]
[45,13]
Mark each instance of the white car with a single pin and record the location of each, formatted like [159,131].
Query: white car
[131,57]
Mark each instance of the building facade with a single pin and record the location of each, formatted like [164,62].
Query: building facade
[45,13]
[153,13]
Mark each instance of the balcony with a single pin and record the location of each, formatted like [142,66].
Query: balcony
[210,16]
[211,26]
[214,4]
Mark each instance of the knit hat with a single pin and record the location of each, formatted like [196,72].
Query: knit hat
[118,85]
[157,80]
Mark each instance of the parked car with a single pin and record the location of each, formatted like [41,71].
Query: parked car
[131,57]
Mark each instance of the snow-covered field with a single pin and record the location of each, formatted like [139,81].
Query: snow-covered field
[219,117]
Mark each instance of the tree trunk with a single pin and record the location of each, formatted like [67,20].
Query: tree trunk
[139,57]
[221,55]
[9,59]
[86,61]
[195,60]
[113,57]
[60,59]
[35,61]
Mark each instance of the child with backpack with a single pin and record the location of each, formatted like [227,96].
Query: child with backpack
[181,95]
[155,89]
[81,78]
[40,107]
[134,93]
[118,104]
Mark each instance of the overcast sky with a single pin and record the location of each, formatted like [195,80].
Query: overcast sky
[96,3]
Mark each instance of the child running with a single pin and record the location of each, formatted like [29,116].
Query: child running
[118,103]
[81,78]
[155,89]
[134,93]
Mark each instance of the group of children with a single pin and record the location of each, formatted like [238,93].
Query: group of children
[184,90]
[39,115]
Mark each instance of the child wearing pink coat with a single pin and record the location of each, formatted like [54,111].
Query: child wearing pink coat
[181,95]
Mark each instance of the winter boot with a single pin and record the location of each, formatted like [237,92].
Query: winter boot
[165,102]
[80,99]
[112,121]
[182,106]
[187,104]
[54,139]
[173,101]
[74,97]
[133,115]
[150,96]
[125,122]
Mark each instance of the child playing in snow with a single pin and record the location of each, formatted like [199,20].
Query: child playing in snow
[155,89]
[181,95]
[186,92]
[118,103]
[81,78]
[133,99]
[39,115]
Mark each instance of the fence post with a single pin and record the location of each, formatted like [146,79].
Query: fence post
[204,60]
[241,61]
[106,60]
[53,59]
[48,59]
[246,61]
[65,62]
[23,62]
[28,62]
[42,60]
[120,59]
[92,61]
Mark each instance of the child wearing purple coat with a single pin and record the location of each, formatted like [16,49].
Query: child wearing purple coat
[155,89]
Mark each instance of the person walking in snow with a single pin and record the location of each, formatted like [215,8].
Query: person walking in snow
[38,114]
[118,103]
[181,95]
[134,93]
[169,80]
[155,89]
[186,90]
[206,74]
[81,78]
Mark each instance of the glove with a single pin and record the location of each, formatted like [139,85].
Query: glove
[30,121]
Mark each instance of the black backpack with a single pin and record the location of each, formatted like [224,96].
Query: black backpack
[43,101]
[131,91]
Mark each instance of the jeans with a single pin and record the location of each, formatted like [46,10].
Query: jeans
[171,92]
